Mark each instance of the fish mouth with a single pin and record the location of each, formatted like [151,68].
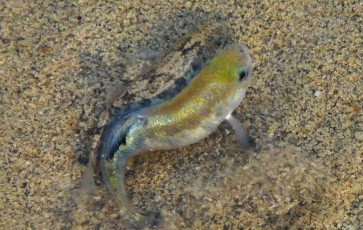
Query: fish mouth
[249,71]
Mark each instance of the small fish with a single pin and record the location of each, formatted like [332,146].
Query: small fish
[193,114]
[184,113]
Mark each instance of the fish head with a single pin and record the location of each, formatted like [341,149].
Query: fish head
[231,70]
[235,64]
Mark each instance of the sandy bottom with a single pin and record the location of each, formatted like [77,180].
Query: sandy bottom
[58,61]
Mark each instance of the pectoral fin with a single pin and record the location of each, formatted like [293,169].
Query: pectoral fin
[242,136]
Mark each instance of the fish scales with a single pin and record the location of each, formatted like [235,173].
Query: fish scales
[204,76]
[171,72]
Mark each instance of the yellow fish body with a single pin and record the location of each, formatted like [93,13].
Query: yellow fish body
[196,111]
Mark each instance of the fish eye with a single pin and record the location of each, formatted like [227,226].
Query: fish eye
[242,74]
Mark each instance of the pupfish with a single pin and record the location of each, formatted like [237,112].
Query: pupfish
[193,104]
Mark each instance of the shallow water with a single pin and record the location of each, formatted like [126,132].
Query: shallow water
[304,108]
